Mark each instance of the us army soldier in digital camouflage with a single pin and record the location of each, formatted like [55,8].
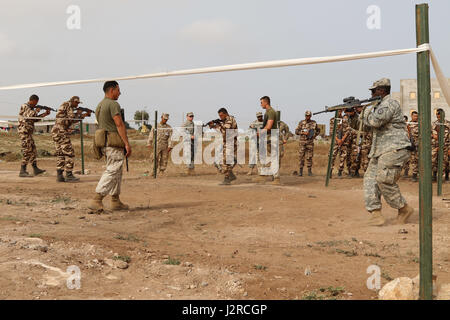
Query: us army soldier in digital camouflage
[387,156]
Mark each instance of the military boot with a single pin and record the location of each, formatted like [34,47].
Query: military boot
[23,172]
[36,170]
[356,175]
[232,176]
[276,181]
[434,176]
[404,213]
[59,176]
[340,173]
[300,172]
[309,172]
[226,181]
[414,177]
[116,204]
[70,177]
[376,218]
[96,204]
[446,175]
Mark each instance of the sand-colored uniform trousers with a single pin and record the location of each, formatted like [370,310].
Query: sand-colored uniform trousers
[26,129]
[365,150]
[64,149]
[112,177]
[163,143]
[229,144]
[306,146]
[381,179]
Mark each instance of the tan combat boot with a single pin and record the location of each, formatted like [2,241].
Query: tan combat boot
[276,181]
[116,204]
[376,218]
[404,213]
[96,204]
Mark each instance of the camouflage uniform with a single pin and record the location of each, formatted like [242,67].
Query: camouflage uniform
[163,144]
[387,155]
[255,125]
[435,145]
[306,145]
[26,129]
[60,135]
[352,161]
[342,129]
[228,123]
[414,158]
[189,129]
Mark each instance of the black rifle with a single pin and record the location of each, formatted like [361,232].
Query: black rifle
[350,102]
[215,121]
[44,108]
[87,110]
[122,115]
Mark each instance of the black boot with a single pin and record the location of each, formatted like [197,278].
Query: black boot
[300,172]
[23,172]
[309,172]
[414,177]
[59,176]
[70,177]
[36,170]
[446,175]
[434,176]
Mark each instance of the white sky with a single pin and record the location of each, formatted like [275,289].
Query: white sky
[126,37]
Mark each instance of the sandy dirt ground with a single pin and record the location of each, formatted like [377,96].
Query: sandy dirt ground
[186,237]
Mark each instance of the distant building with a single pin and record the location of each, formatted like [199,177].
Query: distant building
[408,97]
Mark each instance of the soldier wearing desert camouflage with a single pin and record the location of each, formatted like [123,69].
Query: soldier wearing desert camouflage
[435,145]
[61,136]
[308,131]
[228,127]
[413,128]
[26,129]
[255,125]
[164,143]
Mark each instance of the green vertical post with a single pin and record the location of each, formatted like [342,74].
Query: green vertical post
[155,144]
[425,187]
[82,147]
[330,156]
[440,153]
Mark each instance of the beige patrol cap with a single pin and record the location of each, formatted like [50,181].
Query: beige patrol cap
[190,114]
[383,82]
[165,116]
[308,113]
[75,99]
[259,114]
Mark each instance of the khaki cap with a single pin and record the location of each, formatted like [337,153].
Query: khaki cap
[190,114]
[308,113]
[259,114]
[165,116]
[383,82]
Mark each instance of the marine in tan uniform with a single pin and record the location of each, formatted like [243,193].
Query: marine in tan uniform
[435,145]
[108,114]
[189,129]
[164,143]
[26,129]
[255,125]
[308,131]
